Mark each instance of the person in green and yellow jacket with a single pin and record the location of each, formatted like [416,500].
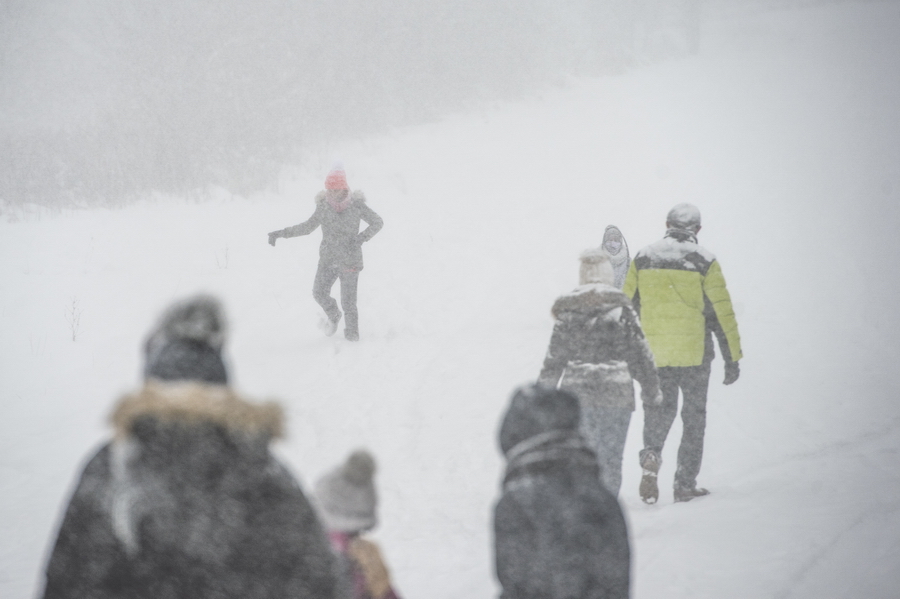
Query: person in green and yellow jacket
[678,289]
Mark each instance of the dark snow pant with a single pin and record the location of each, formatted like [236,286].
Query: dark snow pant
[693,382]
[605,429]
[326,276]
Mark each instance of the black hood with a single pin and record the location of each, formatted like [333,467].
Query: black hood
[536,409]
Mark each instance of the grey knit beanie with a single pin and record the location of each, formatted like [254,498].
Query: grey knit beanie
[346,496]
[186,343]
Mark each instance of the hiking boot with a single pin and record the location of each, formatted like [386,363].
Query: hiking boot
[328,325]
[351,335]
[686,494]
[650,463]
[649,490]
[650,460]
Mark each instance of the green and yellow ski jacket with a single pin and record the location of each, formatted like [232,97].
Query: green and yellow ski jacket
[679,291]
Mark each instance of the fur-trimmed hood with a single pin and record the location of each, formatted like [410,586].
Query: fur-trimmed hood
[590,299]
[187,446]
[193,402]
[356,195]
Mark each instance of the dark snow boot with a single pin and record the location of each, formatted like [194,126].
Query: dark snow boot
[686,494]
[650,463]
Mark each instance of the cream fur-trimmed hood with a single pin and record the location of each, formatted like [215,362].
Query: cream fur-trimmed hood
[590,298]
[190,402]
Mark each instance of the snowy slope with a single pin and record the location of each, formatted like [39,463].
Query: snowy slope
[784,130]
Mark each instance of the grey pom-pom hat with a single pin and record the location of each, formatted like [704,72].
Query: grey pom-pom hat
[346,497]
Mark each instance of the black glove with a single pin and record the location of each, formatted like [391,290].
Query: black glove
[273,236]
[732,372]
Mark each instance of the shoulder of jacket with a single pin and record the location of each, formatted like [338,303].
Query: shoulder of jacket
[589,299]
[647,250]
[320,197]
[358,195]
[98,464]
[669,251]
[365,546]
[707,255]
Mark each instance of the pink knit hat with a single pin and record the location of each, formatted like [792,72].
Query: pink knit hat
[337,178]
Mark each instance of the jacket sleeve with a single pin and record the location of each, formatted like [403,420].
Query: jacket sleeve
[292,542]
[716,292]
[514,547]
[371,218]
[615,556]
[558,355]
[631,282]
[87,558]
[307,227]
[638,355]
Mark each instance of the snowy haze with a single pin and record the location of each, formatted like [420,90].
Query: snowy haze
[102,100]
[784,128]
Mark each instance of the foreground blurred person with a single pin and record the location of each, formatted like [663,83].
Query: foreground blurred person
[596,348]
[558,533]
[679,291]
[347,503]
[187,501]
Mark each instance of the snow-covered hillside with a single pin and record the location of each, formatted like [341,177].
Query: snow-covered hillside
[784,130]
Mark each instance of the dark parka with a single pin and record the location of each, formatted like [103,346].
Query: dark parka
[558,533]
[597,346]
[342,240]
[188,502]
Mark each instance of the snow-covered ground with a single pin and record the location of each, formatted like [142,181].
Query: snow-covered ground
[784,130]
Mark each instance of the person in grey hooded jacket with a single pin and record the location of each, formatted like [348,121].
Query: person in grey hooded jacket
[187,499]
[617,249]
[596,348]
[558,533]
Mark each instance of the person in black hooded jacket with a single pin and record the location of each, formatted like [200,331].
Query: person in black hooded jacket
[187,499]
[558,533]
[597,347]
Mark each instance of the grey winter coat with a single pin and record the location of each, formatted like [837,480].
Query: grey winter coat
[558,533]
[188,502]
[342,240]
[597,346]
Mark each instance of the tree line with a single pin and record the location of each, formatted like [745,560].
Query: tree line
[107,100]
